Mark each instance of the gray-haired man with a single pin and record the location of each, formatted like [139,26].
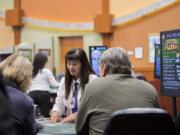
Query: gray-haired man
[114,90]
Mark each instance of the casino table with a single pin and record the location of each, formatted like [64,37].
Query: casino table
[55,129]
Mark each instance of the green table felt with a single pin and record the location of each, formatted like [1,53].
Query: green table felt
[56,129]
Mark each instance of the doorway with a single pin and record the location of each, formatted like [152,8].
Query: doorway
[67,43]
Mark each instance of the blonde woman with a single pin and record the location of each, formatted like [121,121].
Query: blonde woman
[17,71]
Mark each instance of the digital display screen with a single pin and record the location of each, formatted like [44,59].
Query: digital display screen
[94,54]
[170,63]
[157,65]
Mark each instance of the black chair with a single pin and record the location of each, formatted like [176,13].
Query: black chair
[140,121]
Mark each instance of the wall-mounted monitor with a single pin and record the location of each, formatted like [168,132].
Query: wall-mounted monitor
[170,63]
[157,62]
[94,54]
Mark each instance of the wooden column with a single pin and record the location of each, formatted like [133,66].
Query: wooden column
[17,34]
[103,23]
[107,39]
[105,7]
[17,4]
[14,19]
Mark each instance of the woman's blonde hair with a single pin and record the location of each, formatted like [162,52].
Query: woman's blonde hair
[17,69]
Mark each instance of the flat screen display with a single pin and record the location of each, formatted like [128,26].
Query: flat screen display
[94,54]
[170,63]
[157,64]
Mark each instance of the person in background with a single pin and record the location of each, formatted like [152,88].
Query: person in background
[43,79]
[78,73]
[17,72]
[115,89]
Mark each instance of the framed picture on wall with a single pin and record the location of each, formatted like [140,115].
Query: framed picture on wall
[153,40]
[26,52]
[138,52]
[45,51]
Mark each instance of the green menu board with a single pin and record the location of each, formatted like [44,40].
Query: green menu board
[170,63]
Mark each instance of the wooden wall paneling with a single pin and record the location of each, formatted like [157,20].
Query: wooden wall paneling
[148,72]
[106,39]
[134,34]
[17,35]
[17,4]
[103,22]
[14,19]
[165,101]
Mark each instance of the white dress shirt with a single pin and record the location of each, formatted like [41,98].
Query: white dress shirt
[43,81]
[61,102]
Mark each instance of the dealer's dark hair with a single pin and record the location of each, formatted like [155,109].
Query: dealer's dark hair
[80,55]
[39,62]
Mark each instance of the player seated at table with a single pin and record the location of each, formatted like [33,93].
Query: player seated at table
[43,79]
[17,72]
[115,89]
